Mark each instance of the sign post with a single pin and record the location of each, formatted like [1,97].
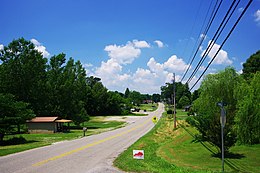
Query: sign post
[84,130]
[222,122]
[174,101]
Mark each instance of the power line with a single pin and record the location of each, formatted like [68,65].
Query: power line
[192,28]
[232,29]
[215,37]
[211,19]
[198,38]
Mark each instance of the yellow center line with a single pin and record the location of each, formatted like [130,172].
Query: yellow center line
[88,145]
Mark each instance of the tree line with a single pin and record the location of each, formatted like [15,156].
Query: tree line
[31,85]
[183,96]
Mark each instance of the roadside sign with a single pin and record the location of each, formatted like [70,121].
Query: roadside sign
[223,118]
[138,154]
[154,119]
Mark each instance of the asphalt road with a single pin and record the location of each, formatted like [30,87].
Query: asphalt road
[85,155]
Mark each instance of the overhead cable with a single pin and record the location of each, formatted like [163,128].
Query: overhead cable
[211,19]
[215,38]
[232,29]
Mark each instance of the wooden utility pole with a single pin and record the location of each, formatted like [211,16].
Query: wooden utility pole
[174,101]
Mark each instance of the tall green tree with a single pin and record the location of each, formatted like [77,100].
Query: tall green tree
[248,106]
[23,73]
[127,92]
[195,95]
[12,114]
[135,97]
[115,103]
[67,89]
[252,65]
[184,101]
[215,88]
[100,98]
[156,98]
[180,91]
[55,81]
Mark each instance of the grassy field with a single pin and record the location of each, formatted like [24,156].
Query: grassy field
[149,107]
[22,142]
[167,150]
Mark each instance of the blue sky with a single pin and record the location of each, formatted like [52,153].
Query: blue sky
[130,43]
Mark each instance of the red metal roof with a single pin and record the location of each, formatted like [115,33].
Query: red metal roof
[42,119]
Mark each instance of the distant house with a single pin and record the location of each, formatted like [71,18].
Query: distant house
[187,108]
[47,125]
[147,101]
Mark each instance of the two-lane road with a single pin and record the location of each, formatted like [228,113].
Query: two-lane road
[89,154]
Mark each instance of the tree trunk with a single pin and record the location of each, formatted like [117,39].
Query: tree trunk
[18,128]
[1,137]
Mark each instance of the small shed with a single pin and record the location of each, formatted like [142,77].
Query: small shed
[47,125]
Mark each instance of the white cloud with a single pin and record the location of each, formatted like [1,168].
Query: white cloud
[221,58]
[158,74]
[202,68]
[87,65]
[159,43]
[89,68]
[192,82]
[175,64]
[141,44]
[40,48]
[111,74]
[111,71]
[145,80]
[35,42]
[203,36]
[154,66]
[1,47]
[123,54]
[257,16]
[109,67]
[201,48]
[240,9]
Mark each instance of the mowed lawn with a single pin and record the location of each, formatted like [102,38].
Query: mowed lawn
[167,150]
[22,142]
[149,107]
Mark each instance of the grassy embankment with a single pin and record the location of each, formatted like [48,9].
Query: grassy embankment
[20,142]
[167,150]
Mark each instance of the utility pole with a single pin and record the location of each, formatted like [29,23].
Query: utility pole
[222,122]
[174,101]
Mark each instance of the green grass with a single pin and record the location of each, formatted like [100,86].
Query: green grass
[168,150]
[149,107]
[22,142]
[103,125]
[180,114]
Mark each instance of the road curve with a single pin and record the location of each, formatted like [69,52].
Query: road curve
[85,155]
